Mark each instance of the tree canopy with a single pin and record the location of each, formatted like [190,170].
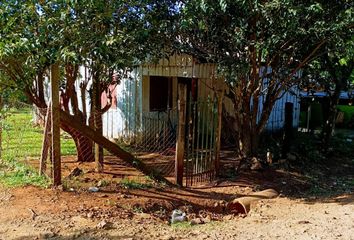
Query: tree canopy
[260,48]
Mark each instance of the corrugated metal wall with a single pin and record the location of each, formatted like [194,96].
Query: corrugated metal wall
[133,95]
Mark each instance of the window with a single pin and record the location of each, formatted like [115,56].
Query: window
[160,93]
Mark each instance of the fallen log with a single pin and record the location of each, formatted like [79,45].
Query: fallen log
[111,147]
[242,205]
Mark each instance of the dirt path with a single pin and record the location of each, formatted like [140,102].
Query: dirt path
[316,205]
[31,213]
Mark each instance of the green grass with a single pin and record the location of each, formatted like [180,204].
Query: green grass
[21,140]
[348,112]
[132,184]
[19,175]
[181,225]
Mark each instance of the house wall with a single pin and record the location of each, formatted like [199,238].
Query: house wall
[132,95]
[124,119]
[277,117]
[185,66]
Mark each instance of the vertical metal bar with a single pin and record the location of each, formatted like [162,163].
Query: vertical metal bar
[205,139]
[197,153]
[194,125]
[215,133]
[189,153]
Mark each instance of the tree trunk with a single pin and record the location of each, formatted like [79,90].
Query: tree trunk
[112,147]
[84,145]
[329,123]
[97,117]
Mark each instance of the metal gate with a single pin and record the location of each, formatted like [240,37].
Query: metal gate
[200,149]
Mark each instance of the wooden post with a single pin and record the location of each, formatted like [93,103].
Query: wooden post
[55,120]
[182,93]
[308,117]
[97,116]
[46,143]
[218,133]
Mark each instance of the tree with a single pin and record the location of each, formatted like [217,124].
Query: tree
[260,48]
[332,71]
[101,35]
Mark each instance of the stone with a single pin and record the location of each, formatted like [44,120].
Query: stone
[255,164]
[178,216]
[93,189]
[207,219]
[196,221]
[104,224]
[75,172]
[291,157]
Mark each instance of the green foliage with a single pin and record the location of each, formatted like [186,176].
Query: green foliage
[133,184]
[348,112]
[260,48]
[18,174]
[181,225]
[22,139]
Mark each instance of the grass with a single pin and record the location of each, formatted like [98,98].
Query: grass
[19,175]
[21,140]
[132,184]
[181,225]
[348,112]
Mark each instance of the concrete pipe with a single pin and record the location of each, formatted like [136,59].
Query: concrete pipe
[242,205]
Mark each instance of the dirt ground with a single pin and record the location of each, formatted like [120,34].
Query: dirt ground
[139,209]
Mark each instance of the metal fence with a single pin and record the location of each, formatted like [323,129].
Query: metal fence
[150,136]
[200,143]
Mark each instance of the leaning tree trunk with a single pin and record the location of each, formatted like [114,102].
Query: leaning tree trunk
[84,145]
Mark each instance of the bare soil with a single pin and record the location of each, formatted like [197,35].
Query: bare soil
[142,211]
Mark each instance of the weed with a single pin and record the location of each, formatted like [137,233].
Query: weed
[181,225]
[111,203]
[103,183]
[20,174]
[132,184]
[71,183]
[138,209]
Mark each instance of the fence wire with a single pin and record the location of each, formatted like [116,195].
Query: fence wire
[22,127]
[150,136]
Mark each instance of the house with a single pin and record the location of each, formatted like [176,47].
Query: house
[312,114]
[151,92]
[145,101]
[155,104]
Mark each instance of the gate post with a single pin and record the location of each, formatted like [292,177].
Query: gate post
[181,133]
[220,97]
